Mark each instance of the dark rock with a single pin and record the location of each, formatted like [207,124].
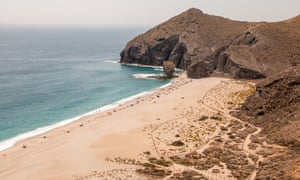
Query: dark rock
[183,39]
[208,45]
[147,152]
[154,54]
[169,68]
[220,61]
[202,118]
[177,143]
[199,70]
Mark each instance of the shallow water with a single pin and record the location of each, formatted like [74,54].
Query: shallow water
[48,75]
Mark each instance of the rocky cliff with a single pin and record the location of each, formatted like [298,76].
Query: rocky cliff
[205,45]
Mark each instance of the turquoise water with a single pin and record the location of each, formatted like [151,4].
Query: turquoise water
[48,75]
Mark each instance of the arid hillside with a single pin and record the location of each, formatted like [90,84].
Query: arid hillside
[205,45]
[275,107]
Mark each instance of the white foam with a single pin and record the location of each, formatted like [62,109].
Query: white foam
[156,68]
[166,85]
[112,61]
[145,76]
[159,69]
[12,141]
[140,65]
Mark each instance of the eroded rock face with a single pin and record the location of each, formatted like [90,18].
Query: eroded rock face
[205,45]
[165,49]
[220,61]
[183,39]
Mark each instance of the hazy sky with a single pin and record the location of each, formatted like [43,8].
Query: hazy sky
[137,12]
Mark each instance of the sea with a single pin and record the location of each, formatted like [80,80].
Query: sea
[51,76]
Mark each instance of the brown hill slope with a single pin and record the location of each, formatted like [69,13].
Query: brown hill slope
[208,45]
[187,37]
[275,107]
[205,44]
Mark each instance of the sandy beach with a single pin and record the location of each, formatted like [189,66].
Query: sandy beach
[182,118]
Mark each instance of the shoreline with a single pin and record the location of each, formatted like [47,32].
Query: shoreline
[157,68]
[118,142]
[9,143]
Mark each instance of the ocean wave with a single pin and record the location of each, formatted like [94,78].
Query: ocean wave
[12,141]
[156,68]
[145,76]
[112,61]
[141,65]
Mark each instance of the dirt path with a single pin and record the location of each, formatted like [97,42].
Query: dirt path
[252,152]
[226,113]
[211,108]
[211,143]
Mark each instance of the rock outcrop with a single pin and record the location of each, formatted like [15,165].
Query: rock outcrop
[169,68]
[154,54]
[205,45]
[221,61]
[183,39]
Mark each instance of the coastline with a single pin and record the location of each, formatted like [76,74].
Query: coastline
[105,144]
[8,143]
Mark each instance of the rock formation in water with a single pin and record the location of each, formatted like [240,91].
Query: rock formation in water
[205,45]
[169,68]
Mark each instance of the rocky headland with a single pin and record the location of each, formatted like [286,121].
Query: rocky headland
[268,135]
[207,45]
